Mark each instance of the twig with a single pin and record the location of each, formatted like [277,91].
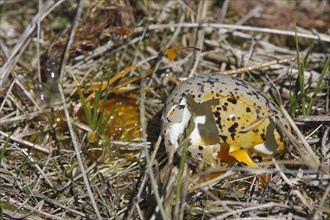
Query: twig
[302,147]
[26,143]
[253,13]
[38,38]
[66,112]
[31,209]
[25,39]
[256,67]
[262,206]
[4,49]
[224,10]
[103,49]
[79,159]
[280,170]
[177,30]
[39,180]
[320,37]
[28,94]
[203,6]
[6,97]
[5,120]
[70,40]
[58,204]
[313,118]
[212,181]
[146,151]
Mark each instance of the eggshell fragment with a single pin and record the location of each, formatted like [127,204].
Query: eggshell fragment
[223,112]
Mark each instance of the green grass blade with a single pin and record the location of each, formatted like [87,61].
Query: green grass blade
[105,99]
[85,105]
[103,124]
[309,51]
[300,78]
[296,88]
[294,98]
[97,98]
[299,93]
[303,65]
[318,86]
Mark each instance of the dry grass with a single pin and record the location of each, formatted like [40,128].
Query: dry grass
[57,165]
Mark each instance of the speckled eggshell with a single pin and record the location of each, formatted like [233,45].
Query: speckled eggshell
[224,110]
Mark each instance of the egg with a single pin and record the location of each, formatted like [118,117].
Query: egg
[221,119]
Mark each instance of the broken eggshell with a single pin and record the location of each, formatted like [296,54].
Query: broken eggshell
[223,119]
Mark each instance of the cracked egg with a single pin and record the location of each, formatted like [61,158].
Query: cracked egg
[223,119]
